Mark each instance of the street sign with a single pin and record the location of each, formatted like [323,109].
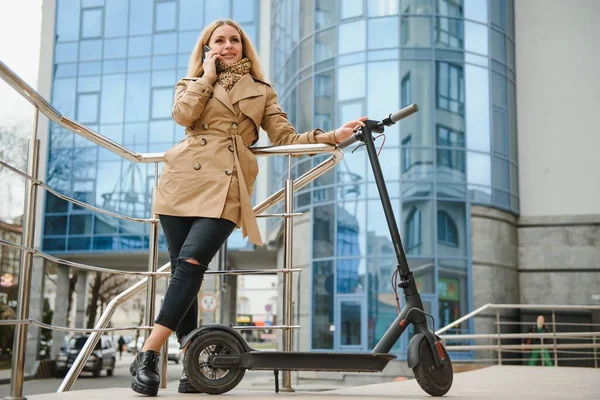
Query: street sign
[208,302]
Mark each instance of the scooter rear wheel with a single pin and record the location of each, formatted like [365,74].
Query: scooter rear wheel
[197,361]
[433,380]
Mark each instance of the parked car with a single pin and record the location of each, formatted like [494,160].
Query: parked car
[174,352]
[102,358]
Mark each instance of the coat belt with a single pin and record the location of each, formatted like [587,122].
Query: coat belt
[249,225]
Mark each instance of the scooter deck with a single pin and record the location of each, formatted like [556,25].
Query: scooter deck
[307,361]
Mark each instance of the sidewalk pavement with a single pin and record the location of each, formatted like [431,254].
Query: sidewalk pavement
[492,383]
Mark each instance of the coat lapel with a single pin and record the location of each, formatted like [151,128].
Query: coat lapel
[244,88]
[221,95]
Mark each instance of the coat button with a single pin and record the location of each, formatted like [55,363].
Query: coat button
[204,126]
[227,172]
[234,125]
[203,142]
[196,166]
[230,147]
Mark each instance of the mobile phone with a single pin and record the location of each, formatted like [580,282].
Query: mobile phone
[206,50]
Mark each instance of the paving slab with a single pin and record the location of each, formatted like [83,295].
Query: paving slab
[497,382]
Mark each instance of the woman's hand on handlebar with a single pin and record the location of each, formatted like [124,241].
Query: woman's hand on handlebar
[347,130]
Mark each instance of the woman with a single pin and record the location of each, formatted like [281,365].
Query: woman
[206,184]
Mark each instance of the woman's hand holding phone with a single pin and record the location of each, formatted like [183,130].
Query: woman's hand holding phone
[209,61]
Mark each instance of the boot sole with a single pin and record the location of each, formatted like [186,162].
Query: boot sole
[187,388]
[143,389]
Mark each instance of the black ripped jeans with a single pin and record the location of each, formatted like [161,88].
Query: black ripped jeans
[197,238]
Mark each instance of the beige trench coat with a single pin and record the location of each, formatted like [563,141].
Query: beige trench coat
[211,172]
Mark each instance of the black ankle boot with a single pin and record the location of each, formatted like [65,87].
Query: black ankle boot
[185,385]
[144,369]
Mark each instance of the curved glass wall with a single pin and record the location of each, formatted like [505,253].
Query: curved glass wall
[116,63]
[346,58]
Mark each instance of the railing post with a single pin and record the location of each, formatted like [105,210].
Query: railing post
[20,340]
[554,338]
[498,337]
[288,209]
[152,260]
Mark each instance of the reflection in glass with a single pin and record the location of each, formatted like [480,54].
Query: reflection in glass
[78,243]
[113,99]
[418,126]
[417,6]
[450,87]
[323,231]
[350,275]
[325,13]
[350,323]
[378,237]
[417,163]
[452,291]
[424,272]
[478,108]
[325,45]
[351,8]
[137,98]
[352,37]
[322,301]
[377,8]
[451,8]
[416,32]
[162,102]
[87,108]
[476,38]
[165,43]
[417,217]
[383,33]
[67,21]
[479,168]
[476,10]
[140,46]
[449,33]
[191,15]
[383,95]
[450,155]
[351,82]
[451,229]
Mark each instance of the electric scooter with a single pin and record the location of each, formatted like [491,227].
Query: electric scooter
[218,357]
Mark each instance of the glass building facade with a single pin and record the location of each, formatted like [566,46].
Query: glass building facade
[336,60]
[116,63]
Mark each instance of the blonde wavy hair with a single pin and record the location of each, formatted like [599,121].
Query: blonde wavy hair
[195,65]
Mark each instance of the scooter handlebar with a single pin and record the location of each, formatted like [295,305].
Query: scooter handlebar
[390,120]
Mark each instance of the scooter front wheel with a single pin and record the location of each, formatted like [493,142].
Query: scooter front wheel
[198,362]
[433,380]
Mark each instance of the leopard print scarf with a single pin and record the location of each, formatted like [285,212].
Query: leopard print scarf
[229,74]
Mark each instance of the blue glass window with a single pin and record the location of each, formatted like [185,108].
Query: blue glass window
[243,11]
[79,243]
[450,85]
[447,230]
[137,97]
[216,10]
[449,32]
[383,33]
[91,23]
[140,46]
[191,14]
[406,97]
[80,224]
[115,48]
[116,15]
[323,231]
[412,232]
[87,108]
[165,16]
[447,155]
[55,225]
[66,52]
[67,20]
[162,102]
[90,50]
[323,292]
[165,43]
[140,17]
[377,8]
[352,37]
[352,8]
[113,99]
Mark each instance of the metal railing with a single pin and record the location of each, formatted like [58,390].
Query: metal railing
[149,281]
[553,342]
